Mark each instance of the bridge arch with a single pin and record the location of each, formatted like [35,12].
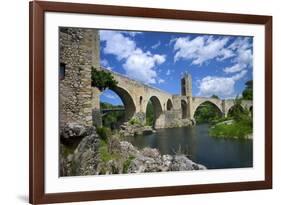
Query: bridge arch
[215,102]
[169,104]
[157,108]
[129,104]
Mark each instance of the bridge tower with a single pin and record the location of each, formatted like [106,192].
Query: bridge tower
[186,85]
[186,91]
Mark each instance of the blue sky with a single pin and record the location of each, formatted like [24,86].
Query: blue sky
[218,64]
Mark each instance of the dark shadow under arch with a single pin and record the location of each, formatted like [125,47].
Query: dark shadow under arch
[129,105]
[169,104]
[233,107]
[157,108]
[183,109]
[206,111]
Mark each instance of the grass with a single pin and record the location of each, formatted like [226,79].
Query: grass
[127,163]
[238,129]
[105,154]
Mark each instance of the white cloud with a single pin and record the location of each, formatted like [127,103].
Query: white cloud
[110,96]
[138,64]
[233,69]
[221,86]
[117,44]
[104,63]
[201,49]
[244,55]
[204,48]
[156,45]
[168,72]
[161,81]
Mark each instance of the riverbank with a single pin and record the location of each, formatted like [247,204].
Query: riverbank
[96,156]
[232,129]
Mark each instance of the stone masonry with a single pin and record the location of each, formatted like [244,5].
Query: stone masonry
[79,51]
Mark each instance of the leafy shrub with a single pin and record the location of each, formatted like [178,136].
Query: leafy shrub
[127,164]
[135,121]
[102,79]
[104,133]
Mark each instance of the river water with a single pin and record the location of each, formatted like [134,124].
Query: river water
[214,153]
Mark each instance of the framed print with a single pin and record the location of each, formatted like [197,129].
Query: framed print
[139,102]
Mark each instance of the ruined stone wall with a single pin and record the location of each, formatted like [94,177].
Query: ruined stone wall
[78,51]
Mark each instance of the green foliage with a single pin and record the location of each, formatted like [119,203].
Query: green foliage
[215,96]
[238,113]
[105,153]
[104,133]
[238,129]
[242,123]
[102,79]
[248,91]
[149,114]
[135,121]
[207,113]
[112,119]
[127,164]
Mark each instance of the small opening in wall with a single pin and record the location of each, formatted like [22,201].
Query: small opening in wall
[140,100]
[62,71]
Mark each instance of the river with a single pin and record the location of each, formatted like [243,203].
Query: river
[214,153]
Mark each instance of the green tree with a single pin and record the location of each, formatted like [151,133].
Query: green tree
[102,79]
[215,96]
[112,119]
[238,113]
[247,94]
[206,113]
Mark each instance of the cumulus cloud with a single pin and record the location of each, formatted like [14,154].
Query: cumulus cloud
[117,44]
[204,48]
[244,56]
[201,49]
[221,86]
[138,64]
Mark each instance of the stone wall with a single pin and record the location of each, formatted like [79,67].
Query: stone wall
[78,51]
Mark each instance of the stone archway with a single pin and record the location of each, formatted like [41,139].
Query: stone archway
[169,104]
[214,110]
[230,110]
[129,105]
[157,109]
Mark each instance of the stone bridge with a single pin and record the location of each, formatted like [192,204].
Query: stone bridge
[169,110]
[80,103]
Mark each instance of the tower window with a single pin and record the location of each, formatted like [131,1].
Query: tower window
[62,71]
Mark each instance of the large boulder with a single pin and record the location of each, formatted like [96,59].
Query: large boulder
[182,163]
[128,130]
[85,159]
[73,133]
